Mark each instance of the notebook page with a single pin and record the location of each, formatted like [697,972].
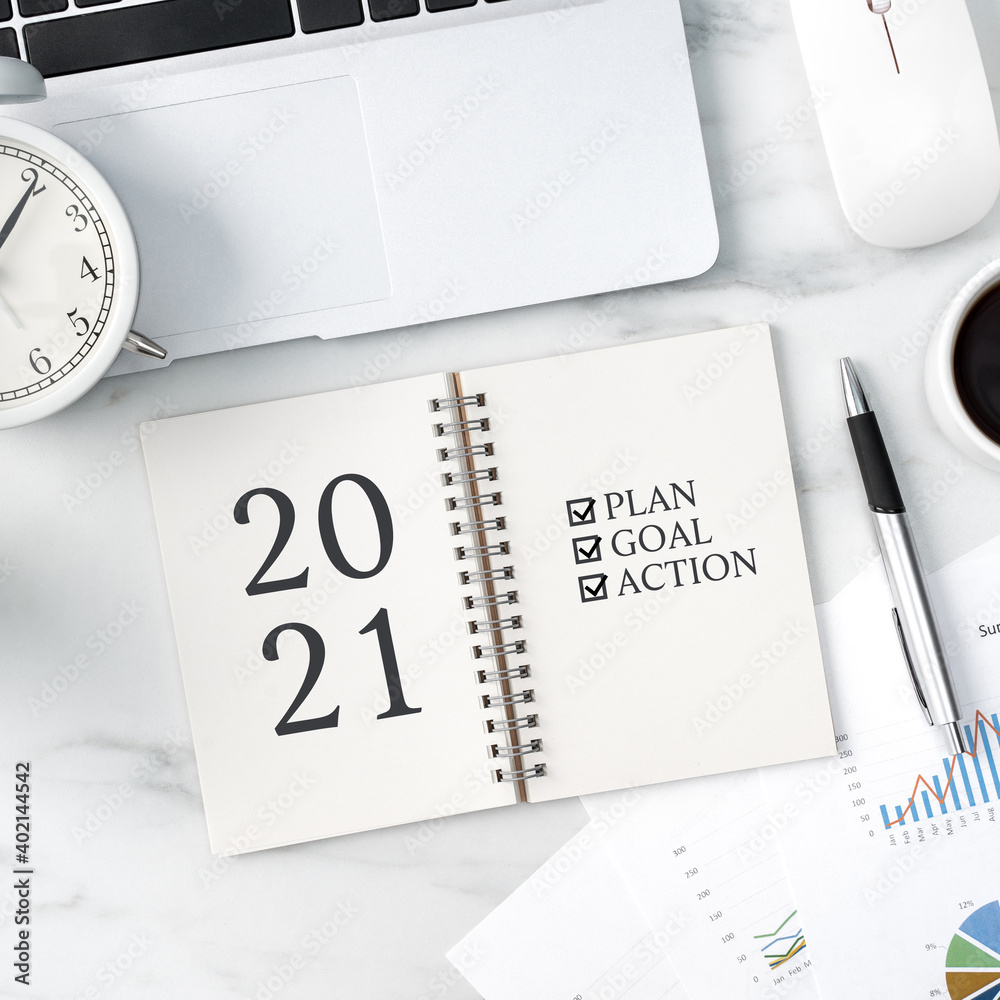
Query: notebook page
[659,563]
[363,712]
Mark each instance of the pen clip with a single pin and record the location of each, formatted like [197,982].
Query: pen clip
[909,667]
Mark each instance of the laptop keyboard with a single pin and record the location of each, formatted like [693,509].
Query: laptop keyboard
[117,36]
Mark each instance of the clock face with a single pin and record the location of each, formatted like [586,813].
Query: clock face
[60,275]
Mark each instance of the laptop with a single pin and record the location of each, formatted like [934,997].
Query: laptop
[322,168]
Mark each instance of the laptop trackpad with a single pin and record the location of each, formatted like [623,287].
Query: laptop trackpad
[255,202]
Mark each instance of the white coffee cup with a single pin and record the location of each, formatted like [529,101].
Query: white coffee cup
[939,373]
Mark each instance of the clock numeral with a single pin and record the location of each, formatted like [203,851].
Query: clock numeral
[76,320]
[41,364]
[87,270]
[76,215]
[30,174]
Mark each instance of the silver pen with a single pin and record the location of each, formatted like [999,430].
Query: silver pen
[913,613]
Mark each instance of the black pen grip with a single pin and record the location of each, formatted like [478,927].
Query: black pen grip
[873,460]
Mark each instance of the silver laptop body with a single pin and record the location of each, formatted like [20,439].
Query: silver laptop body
[399,172]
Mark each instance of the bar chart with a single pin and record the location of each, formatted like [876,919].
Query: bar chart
[965,780]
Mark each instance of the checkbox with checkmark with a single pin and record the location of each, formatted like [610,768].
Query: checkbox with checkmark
[594,588]
[581,511]
[587,549]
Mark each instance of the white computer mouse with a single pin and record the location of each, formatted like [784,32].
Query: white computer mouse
[905,113]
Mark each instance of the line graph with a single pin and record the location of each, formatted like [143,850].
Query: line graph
[778,958]
[961,780]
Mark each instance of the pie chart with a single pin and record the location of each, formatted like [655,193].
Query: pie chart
[972,967]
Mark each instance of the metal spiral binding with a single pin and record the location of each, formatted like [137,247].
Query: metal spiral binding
[515,673]
[518,698]
[503,549]
[489,600]
[533,747]
[475,527]
[501,649]
[458,426]
[466,451]
[476,475]
[466,431]
[500,573]
[506,725]
[515,621]
[460,503]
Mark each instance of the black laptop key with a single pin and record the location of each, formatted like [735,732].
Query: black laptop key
[93,3]
[8,43]
[6,12]
[324,15]
[435,5]
[386,10]
[153,31]
[35,8]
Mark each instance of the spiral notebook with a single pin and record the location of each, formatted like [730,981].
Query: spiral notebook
[519,583]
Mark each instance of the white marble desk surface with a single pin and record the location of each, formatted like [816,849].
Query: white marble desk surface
[128,904]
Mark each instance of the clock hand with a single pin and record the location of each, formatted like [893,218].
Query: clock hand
[8,226]
[7,309]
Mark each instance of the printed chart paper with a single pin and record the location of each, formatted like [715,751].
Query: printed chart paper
[571,932]
[894,850]
[706,850]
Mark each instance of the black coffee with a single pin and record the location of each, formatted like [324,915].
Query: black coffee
[977,363]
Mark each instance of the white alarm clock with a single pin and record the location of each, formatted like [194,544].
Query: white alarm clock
[69,269]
